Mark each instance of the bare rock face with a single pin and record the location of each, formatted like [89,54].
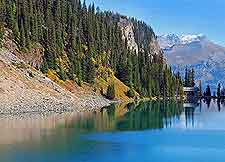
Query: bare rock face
[128,33]
[155,47]
[127,28]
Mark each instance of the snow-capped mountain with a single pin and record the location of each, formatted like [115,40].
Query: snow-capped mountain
[168,41]
[206,57]
[186,39]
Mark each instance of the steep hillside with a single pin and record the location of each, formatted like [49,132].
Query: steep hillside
[26,92]
[206,57]
[80,43]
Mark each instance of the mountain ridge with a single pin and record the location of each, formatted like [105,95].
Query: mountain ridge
[167,41]
[195,51]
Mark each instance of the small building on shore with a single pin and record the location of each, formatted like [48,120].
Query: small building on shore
[191,93]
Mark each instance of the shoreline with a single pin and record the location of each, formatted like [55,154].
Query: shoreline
[25,92]
[44,111]
[42,108]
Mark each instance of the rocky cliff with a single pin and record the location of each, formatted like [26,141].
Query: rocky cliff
[127,29]
[139,36]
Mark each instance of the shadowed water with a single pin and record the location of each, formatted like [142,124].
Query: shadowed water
[148,131]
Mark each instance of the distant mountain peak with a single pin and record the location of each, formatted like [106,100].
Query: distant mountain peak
[167,41]
[186,39]
[198,52]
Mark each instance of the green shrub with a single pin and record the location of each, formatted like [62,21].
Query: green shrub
[111,94]
[44,67]
[130,93]
[62,74]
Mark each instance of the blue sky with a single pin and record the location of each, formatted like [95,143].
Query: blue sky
[175,16]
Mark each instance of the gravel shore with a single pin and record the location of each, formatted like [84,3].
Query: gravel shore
[45,107]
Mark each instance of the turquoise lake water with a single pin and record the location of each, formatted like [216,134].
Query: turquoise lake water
[145,132]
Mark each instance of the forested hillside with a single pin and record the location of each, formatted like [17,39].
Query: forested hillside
[84,44]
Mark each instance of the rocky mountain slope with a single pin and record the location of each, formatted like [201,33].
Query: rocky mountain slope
[206,57]
[138,37]
[26,92]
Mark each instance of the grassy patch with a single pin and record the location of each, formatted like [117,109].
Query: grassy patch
[120,88]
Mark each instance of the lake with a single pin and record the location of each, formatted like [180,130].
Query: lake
[142,132]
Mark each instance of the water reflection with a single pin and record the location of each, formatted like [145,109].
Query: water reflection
[207,106]
[20,130]
[144,115]
[121,117]
[218,102]
[118,130]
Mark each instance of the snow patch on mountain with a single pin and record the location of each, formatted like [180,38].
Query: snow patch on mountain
[186,39]
[168,41]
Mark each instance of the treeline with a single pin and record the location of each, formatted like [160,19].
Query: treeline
[82,43]
[219,93]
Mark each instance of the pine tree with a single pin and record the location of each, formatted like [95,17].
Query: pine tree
[34,28]
[200,88]
[59,27]
[62,74]
[91,71]
[11,18]
[44,67]
[26,22]
[130,70]
[22,37]
[79,78]
[111,92]
[2,10]
[208,91]
[219,90]
[41,26]
[130,93]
